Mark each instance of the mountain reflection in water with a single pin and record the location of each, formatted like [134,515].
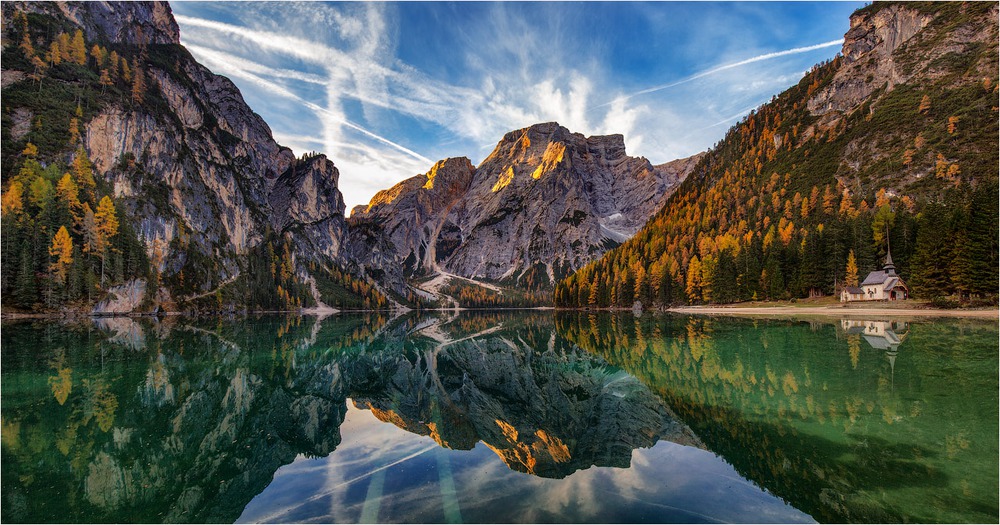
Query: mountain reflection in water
[900,429]
[276,419]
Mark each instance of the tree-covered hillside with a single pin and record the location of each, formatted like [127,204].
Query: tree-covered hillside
[64,237]
[134,177]
[775,210]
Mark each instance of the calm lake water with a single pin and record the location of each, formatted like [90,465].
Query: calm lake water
[500,417]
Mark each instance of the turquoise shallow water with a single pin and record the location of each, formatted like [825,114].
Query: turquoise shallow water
[499,417]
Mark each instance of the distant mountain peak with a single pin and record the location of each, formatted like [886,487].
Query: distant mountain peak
[544,202]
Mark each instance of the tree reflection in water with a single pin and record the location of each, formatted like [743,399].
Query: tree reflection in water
[177,421]
[900,429]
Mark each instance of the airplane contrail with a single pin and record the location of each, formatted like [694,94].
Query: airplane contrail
[758,58]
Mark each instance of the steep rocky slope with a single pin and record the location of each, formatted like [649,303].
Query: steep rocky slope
[413,218]
[891,144]
[542,204]
[188,164]
[215,214]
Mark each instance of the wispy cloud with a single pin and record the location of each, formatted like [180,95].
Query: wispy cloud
[302,49]
[220,58]
[751,60]
[385,89]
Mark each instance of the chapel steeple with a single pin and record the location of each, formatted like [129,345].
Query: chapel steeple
[890,269]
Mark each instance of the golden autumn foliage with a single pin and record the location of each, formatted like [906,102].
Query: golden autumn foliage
[106,219]
[61,251]
[851,271]
[12,203]
[788,200]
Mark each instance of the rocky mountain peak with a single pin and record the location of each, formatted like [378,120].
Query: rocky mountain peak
[305,200]
[404,223]
[544,202]
[524,156]
[891,43]
[132,23]
[530,144]
[544,131]
[450,175]
[527,144]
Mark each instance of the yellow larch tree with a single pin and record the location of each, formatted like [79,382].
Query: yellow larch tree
[62,251]
[69,193]
[851,271]
[78,49]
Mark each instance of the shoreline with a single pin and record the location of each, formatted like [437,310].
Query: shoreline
[829,311]
[765,311]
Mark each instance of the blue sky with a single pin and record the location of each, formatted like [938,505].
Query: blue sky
[386,89]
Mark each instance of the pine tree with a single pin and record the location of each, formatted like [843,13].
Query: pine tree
[68,195]
[594,297]
[55,55]
[105,80]
[91,237]
[74,131]
[64,47]
[98,55]
[113,62]
[83,173]
[975,266]
[11,203]
[106,218]
[883,221]
[25,287]
[693,287]
[925,104]
[22,21]
[126,71]
[74,281]
[724,278]
[40,194]
[12,210]
[932,258]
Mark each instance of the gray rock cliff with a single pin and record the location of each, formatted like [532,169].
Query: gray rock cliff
[196,171]
[545,202]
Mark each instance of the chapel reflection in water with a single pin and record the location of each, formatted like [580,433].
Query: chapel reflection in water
[843,431]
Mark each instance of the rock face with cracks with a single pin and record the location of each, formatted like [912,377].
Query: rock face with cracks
[203,183]
[196,171]
[545,202]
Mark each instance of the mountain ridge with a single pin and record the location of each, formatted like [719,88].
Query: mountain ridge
[206,191]
[547,200]
[892,143]
[205,211]
[209,213]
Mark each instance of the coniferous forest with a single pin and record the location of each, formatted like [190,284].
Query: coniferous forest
[775,210]
[67,240]
[64,237]
[794,202]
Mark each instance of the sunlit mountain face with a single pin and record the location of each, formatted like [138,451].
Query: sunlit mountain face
[506,417]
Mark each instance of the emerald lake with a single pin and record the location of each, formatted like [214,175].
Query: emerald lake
[500,417]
